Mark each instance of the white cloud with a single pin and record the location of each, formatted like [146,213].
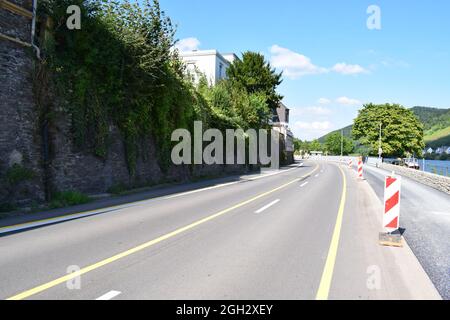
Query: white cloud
[348,101]
[323,101]
[311,130]
[292,63]
[316,125]
[296,65]
[187,44]
[314,110]
[348,69]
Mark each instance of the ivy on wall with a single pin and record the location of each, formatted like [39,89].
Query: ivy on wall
[118,69]
[121,69]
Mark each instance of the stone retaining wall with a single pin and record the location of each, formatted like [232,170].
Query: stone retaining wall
[430,179]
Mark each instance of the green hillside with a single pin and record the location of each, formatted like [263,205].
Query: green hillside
[436,124]
[347,133]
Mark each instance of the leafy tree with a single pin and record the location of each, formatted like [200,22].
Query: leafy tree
[256,75]
[297,144]
[402,132]
[118,69]
[315,145]
[333,144]
[232,107]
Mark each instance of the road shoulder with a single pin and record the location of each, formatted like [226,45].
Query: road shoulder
[366,270]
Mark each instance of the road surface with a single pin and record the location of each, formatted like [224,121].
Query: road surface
[309,232]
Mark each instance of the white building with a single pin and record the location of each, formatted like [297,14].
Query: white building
[208,62]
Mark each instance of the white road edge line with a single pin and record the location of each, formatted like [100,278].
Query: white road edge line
[304,184]
[110,295]
[268,206]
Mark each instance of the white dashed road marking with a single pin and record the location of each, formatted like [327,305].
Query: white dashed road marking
[110,295]
[268,206]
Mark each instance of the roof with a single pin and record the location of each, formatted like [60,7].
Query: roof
[199,53]
[282,105]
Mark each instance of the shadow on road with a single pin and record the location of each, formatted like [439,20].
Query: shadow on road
[106,205]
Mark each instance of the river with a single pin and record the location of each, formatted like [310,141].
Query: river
[441,167]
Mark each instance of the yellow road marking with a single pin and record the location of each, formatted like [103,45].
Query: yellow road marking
[327,275]
[124,205]
[124,254]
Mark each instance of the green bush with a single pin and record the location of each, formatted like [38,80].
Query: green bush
[68,198]
[9,184]
[17,174]
[120,69]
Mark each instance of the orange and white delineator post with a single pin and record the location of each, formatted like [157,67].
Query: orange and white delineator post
[392,194]
[360,168]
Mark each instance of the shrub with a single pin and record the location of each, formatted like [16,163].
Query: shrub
[17,174]
[68,198]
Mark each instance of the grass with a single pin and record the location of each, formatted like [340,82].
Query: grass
[68,198]
[437,135]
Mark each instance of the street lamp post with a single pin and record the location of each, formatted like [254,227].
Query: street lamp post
[380,150]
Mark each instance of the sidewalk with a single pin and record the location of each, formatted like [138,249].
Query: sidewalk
[376,272]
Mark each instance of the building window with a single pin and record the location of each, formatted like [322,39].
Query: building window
[220,70]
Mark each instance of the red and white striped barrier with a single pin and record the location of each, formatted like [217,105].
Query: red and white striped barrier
[392,189]
[360,168]
[350,164]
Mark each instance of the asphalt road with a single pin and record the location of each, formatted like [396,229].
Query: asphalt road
[307,233]
[425,216]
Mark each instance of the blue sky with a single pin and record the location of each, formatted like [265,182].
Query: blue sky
[332,62]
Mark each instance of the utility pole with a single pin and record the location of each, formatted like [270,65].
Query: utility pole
[342,143]
[380,150]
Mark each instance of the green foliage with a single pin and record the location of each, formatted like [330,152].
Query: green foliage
[10,182]
[435,156]
[119,69]
[315,145]
[306,146]
[297,145]
[347,133]
[333,144]
[402,132]
[436,123]
[433,119]
[256,75]
[232,107]
[17,174]
[68,198]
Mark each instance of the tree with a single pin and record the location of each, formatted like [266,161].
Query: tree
[402,132]
[297,145]
[333,144]
[315,145]
[257,76]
